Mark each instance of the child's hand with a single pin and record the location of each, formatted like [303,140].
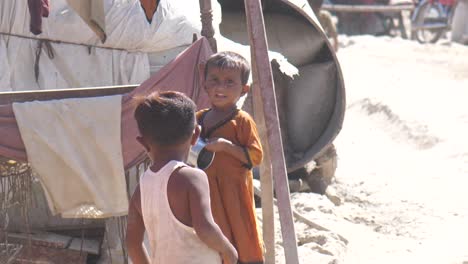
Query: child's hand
[217,144]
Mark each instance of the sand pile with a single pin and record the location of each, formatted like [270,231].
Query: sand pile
[403,159]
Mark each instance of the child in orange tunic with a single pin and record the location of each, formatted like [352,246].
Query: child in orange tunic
[232,134]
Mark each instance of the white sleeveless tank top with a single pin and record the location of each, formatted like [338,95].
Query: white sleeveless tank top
[170,240]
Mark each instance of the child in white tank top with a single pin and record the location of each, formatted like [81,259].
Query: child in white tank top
[172,201]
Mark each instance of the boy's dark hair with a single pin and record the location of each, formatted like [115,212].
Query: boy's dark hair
[166,118]
[229,60]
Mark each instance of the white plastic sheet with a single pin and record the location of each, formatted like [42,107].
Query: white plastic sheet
[174,23]
[66,66]
[80,180]
[128,31]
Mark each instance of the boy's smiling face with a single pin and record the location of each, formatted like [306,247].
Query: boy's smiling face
[224,87]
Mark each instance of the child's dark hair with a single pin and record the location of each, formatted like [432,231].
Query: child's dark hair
[166,118]
[229,60]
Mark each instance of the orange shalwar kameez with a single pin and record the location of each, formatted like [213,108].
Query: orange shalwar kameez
[231,186]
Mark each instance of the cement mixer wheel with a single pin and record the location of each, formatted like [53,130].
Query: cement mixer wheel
[322,176]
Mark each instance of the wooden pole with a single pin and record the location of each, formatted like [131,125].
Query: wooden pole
[266,179]
[207,23]
[43,95]
[367,8]
[264,78]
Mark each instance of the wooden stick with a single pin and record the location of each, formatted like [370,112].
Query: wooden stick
[61,41]
[266,178]
[367,8]
[302,218]
[207,23]
[264,77]
[43,95]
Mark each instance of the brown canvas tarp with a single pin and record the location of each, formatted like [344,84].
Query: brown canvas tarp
[182,75]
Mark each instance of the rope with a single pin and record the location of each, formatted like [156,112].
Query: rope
[50,53]
[45,42]
[60,41]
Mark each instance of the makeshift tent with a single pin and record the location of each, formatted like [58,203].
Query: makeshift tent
[186,64]
[334,112]
[61,56]
[168,78]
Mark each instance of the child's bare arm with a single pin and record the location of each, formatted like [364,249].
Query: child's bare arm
[136,231]
[202,219]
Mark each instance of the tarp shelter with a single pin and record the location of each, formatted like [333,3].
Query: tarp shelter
[115,45]
[62,55]
[69,54]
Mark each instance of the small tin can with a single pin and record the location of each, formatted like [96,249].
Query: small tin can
[199,156]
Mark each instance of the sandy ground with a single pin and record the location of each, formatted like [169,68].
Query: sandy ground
[403,159]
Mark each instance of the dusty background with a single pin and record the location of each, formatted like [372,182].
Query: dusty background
[402,172]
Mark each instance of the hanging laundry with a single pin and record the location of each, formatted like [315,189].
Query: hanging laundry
[37,10]
[92,12]
[149,6]
[74,148]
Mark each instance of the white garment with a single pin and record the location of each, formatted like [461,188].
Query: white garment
[126,27]
[92,12]
[170,240]
[74,146]
[71,67]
